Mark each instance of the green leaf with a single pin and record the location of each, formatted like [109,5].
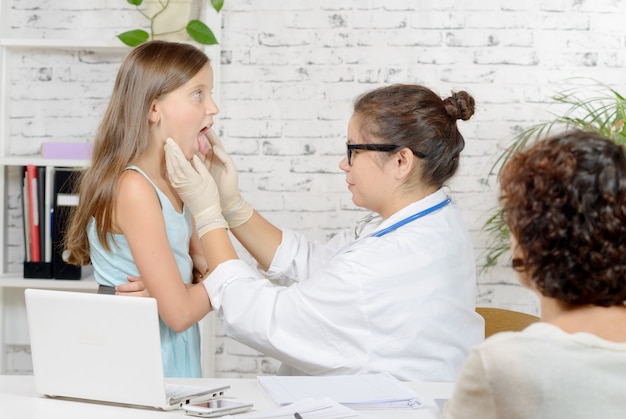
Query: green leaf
[597,108]
[200,33]
[217,5]
[135,2]
[134,38]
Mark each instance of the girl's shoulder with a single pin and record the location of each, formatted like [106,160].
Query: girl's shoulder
[132,181]
[134,190]
[135,201]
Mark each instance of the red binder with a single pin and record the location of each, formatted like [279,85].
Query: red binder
[33,213]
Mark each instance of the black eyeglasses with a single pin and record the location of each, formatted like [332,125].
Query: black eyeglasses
[376,147]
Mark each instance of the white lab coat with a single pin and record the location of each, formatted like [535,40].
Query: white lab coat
[402,303]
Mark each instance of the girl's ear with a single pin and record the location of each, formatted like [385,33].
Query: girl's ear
[153,115]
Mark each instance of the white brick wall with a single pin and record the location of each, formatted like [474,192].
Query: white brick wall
[289,72]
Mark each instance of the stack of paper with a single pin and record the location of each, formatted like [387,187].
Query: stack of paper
[365,391]
[308,409]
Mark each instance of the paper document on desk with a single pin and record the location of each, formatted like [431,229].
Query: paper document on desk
[325,408]
[364,391]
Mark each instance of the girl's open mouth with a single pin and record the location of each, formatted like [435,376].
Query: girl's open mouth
[203,141]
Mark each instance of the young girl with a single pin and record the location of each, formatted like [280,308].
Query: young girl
[130,221]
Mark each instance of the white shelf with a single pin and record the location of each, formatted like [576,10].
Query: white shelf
[18,281]
[23,43]
[40,161]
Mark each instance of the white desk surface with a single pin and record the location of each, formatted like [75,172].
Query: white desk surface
[18,400]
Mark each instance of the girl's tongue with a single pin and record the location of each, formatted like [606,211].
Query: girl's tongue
[203,143]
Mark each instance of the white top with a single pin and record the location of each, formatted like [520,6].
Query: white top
[402,303]
[542,372]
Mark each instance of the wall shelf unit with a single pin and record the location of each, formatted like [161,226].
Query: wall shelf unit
[20,59]
[69,73]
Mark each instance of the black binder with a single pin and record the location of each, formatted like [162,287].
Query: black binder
[65,197]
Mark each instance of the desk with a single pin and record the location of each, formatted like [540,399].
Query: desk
[18,400]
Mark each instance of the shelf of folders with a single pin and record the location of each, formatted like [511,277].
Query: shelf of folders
[48,194]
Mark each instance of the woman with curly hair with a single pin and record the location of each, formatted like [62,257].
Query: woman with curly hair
[564,201]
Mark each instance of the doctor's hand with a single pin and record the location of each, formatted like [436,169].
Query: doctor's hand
[195,186]
[134,288]
[200,267]
[235,209]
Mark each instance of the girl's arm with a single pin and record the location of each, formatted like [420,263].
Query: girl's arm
[137,215]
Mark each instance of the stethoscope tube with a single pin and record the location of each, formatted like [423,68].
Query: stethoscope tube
[412,218]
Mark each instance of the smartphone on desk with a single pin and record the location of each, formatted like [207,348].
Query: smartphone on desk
[217,407]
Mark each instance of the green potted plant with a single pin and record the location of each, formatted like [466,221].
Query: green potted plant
[159,12]
[597,108]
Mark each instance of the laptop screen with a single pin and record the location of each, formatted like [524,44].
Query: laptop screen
[97,347]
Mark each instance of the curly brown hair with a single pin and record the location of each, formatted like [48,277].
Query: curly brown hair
[564,200]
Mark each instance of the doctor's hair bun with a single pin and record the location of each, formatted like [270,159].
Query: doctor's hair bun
[460,105]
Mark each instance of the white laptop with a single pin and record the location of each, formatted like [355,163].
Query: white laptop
[102,348]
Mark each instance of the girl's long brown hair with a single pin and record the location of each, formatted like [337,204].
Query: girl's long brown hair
[149,71]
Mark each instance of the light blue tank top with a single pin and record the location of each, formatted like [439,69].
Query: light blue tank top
[181,351]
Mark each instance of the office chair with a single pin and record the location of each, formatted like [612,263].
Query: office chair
[502,320]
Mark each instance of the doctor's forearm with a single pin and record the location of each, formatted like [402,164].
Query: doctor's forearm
[260,238]
[217,247]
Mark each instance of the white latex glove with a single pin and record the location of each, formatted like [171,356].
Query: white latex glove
[236,210]
[196,188]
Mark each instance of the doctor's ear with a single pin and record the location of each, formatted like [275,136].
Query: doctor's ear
[404,161]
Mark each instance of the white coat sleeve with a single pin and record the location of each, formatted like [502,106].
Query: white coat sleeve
[281,321]
[296,257]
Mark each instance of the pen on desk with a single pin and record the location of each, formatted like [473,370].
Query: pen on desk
[297,415]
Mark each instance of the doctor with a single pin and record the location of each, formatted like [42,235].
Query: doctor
[394,294]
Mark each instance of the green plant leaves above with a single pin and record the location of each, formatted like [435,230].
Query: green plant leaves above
[200,33]
[134,37]
[217,4]
[196,30]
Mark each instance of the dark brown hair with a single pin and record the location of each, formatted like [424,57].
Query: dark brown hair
[564,200]
[413,116]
